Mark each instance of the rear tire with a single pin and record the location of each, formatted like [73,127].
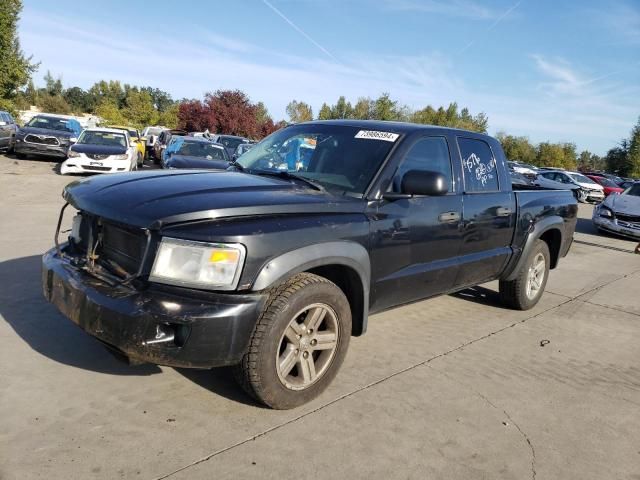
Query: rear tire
[298,344]
[139,160]
[527,288]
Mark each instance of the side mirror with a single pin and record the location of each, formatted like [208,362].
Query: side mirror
[424,182]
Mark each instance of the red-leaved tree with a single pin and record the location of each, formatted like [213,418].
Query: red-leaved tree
[228,112]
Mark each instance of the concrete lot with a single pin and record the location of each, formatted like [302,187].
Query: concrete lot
[454,388]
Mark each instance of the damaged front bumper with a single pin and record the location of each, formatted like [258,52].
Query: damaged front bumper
[156,325]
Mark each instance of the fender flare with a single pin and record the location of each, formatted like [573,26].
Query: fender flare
[347,253]
[539,228]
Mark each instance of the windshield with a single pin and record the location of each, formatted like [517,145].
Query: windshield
[133,134]
[202,149]
[633,190]
[152,131]
[50,123]
[230,142]
[605,182]
[340,158]
[581,178]
[103,138]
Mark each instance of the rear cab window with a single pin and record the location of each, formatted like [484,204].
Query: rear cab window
[478,165]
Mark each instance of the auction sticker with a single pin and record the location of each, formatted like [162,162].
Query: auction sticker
[374,135]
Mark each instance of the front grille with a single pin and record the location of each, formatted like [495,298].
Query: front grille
[96,156]
[94,168]
[628,218]
[122,246]
[41,139]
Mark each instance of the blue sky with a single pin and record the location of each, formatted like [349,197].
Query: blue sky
[551,70]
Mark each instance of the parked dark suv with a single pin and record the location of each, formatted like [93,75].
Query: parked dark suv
[8,128]
[47,135]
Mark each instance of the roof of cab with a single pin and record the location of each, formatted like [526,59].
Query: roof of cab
[395,127]
[106,130]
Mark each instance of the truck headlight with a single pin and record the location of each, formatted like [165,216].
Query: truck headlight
[212,266]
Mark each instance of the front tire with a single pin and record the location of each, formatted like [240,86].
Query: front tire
[527,288]
[298,344]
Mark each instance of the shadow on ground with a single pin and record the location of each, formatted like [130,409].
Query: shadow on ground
[45,330]
[37,322]
[482,295]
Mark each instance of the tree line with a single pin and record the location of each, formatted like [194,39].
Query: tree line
[623,160]
[233,112]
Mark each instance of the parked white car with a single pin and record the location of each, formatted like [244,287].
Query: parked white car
[101,150]
[152,134]
[589,191]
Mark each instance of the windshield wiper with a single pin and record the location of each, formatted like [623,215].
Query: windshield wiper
[290,176]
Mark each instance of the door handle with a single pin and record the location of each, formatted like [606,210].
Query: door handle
[449,217]
[503,212]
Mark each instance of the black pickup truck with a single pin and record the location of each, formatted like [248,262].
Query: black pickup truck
[272,265]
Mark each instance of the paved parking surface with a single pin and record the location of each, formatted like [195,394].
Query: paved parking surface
[456,387]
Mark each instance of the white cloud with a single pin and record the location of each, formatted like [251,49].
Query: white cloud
[565,104]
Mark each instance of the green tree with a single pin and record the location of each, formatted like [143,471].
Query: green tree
[110,114]
[633,160]
[169,118]
[384,108]
[570,158]
[139,110]
[110,91]
[15,67]
[79,100]
[31,93]
[54,104]
[325,112]
[53,85]
[299,112]
[550,155]
[363,109]
[517,148]
[162,101]
[342,109]
[617,159]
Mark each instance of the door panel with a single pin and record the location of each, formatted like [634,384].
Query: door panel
[415,241]
[488,215]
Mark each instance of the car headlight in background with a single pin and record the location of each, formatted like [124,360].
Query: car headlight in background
[124,156]
[605,212]
[72,154]
[212,266]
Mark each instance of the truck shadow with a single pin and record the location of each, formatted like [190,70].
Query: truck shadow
[38,323]
[24,308]
[482,295]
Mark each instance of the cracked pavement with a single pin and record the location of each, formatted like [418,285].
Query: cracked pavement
[455,387]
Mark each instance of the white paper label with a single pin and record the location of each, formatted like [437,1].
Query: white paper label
[374,135]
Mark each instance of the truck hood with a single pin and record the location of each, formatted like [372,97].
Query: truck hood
[625,204]
[159,198]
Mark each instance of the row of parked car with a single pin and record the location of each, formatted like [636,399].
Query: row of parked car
[116,148]
[617,198]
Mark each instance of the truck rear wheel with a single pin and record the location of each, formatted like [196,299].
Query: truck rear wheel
[525,290]
[298,344]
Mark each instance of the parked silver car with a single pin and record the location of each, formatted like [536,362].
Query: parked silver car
[8,128]
[620,214]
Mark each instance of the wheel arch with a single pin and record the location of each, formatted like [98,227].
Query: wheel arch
[550,230]
[344,263]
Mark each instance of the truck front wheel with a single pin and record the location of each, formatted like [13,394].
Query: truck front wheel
[298,344]
[525,290]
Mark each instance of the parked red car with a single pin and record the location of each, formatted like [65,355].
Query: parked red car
[608,185]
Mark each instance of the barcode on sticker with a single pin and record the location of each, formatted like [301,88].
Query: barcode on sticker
[374,135]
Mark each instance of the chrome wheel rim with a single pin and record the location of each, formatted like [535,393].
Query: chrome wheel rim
[535,276]
[307,346]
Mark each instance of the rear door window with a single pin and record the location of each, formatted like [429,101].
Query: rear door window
[479,166]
